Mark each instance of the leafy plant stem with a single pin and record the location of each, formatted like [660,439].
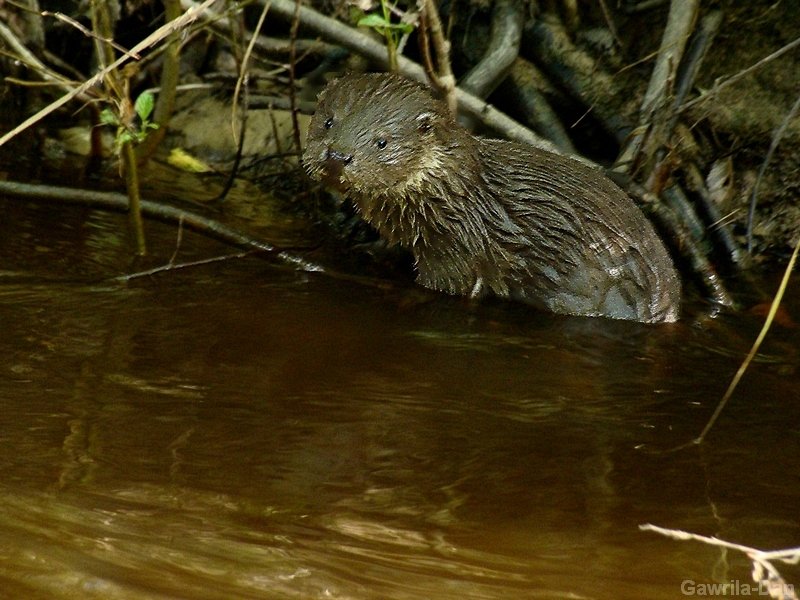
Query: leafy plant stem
[134,199]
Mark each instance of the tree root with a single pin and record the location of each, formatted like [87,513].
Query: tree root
[337,33]
[577,72]
[506,35]
[522,89]
[654,115]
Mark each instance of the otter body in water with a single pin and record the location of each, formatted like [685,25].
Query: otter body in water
[488,216]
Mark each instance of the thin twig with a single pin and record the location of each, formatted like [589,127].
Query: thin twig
[178,242]
[717,223]
[773,309]
[28,58]
[690,66]
[444,73]
[292,76]
[612,28]
[721,85]
[173,266]
[91,34]
[237,159]
[776,139]
[168,89]
[764,573]
[789,555]
[154,38]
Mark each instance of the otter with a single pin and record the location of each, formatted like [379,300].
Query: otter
[484,216]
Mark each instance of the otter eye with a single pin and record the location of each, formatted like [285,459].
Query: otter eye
[328,123]
[381,143]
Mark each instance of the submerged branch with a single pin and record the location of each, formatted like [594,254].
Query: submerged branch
[156,210]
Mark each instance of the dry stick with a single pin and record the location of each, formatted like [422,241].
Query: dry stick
[119,202]
[424,42]
[295,27]
[687,73]
[178,242]
[338,33]
[243,60]
[718,86]
[28,58]
[134,196]
[445,80]
[173,266]
[680,22]
[695,182]
[237,159]
[265,44]
[674,196]
[756,345]
[504,41]
[578,72]
[152,39]
[776,139]
[242,81]
[521,86]
[761,559]
[695,54]
[612,28]
[116,89]
[90,34]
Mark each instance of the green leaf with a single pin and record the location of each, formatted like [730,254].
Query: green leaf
[404,27]
[107,117]
[144,105]
[374,20]
[126,137]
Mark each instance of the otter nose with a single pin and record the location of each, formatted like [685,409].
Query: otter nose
[335,162]
[339,157]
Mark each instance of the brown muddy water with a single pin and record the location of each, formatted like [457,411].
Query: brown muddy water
[240,430]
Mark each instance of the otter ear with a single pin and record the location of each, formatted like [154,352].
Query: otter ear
[425,122]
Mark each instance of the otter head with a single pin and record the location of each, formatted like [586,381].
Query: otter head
[374,133]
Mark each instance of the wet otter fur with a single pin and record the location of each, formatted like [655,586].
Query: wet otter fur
[485,216]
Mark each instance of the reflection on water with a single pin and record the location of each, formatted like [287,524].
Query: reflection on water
[240,431]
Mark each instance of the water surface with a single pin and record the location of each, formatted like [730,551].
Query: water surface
[240,430]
